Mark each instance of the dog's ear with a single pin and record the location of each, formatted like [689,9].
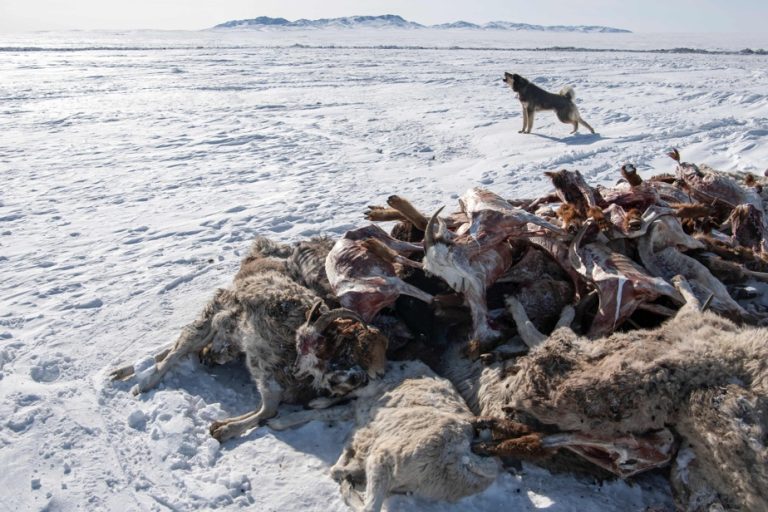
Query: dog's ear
[507,74]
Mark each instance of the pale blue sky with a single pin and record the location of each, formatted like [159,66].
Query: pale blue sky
[636,15]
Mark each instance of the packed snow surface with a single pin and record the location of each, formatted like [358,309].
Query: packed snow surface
[134,177]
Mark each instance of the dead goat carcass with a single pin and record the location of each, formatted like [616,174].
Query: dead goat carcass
[613,399]
[413,435]
[262,314]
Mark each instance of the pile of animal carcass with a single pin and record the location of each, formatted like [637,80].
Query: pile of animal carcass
[431,338]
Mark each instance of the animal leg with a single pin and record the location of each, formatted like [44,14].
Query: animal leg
[525,328]
[128,371]
[286,421]
[382,214]
[575,127]
[398,245]
[271,396]
[352,496]
[378,477]
[501,428]
[624,455]
[382,251]
[481,330]
[586,125]
[408,211]
[525,447]
[531,113]
[192,339]
[525,120]
[348,467]
[408,289]
[691,302]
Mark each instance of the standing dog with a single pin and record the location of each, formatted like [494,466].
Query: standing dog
[534,98]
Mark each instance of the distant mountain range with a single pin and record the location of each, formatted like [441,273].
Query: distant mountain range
[394,21]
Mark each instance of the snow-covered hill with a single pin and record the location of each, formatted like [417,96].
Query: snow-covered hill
[394,21]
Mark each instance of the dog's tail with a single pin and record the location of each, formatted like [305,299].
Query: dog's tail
[568,92]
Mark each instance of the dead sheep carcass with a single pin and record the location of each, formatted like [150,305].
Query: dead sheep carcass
[261,315]
[413,435]
[613,400]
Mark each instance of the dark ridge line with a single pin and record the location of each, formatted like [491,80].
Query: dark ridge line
[574,49]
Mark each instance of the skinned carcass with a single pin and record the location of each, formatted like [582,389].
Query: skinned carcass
[478,253]
[363,280]
[621,284]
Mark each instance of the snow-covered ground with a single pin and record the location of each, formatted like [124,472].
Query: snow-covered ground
[133,178]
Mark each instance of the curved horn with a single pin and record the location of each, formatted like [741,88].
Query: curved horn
[314,310]
[674,155]
[429,233]
[322,323]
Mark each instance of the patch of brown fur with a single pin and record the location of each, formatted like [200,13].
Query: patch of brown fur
[633,221]
[664,178]
[740,254]
[502,428]
[527,447]
[407,232]
[257,264]
[570,217]
[382,214]
[354,341]
[408,211]
[691,211]
[599,217]
[631,176]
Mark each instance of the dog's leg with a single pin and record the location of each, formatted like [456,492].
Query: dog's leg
[575,127]
[531,112]
[271,396]
[525,119]
[586,125]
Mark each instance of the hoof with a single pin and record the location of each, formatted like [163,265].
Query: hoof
[121,373]
[221,431]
